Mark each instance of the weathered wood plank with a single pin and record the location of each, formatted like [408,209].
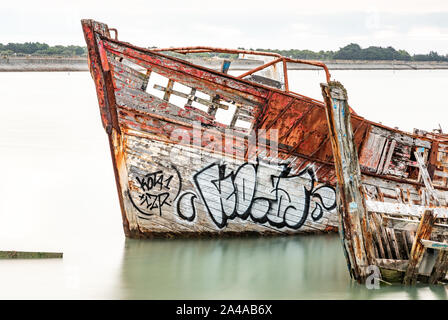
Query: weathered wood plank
[376,232]
[351,205]
[394,264]
[418,249]
[406,225]
[376,219]
[440,268]
[401,209]
[434,245]
[394,243]
[389,156]
[426,178]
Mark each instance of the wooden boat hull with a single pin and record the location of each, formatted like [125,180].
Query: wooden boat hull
[180,172]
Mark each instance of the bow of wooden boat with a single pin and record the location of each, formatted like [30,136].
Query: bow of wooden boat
[266,167]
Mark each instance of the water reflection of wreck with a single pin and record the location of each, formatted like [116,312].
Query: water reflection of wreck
[181,139]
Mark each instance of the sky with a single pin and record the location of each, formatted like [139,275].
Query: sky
[415,26]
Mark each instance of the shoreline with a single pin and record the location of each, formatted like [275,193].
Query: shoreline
[75,64]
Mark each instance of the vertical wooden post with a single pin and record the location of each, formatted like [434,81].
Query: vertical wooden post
[440,267]
[353,221]
[168,90]
[423,232]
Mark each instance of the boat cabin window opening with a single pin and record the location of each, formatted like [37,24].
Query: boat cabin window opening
[197,102]
[157,85]
[243,124]
[399,160]
[271,76]
[413,168]
[179,95]
[130,64]
[225,116]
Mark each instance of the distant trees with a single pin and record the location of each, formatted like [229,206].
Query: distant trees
[351,51]
[303,54]
[41,49]
[354,52]
[432,56]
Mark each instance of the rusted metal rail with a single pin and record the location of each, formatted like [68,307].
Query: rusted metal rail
[280,58]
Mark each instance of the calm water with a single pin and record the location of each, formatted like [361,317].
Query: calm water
[57,193]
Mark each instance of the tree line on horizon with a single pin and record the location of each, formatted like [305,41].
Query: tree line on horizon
[40,49]
[350,52]
[354,52]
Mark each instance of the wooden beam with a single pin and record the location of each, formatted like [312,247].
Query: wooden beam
[426,178]
[434,245]
[418,249]
[353,222]
[169,88]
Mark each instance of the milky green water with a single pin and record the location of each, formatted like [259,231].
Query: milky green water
[57,193]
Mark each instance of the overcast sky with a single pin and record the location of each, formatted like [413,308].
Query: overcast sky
[416,26]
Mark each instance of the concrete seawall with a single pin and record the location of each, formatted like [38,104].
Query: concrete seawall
[27,64]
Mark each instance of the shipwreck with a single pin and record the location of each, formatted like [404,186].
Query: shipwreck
[383,241]
[197,151]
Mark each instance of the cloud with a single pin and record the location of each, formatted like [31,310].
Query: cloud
[282,24]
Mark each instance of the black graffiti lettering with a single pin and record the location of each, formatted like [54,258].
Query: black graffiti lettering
[167,182]
[246,193]
[186,210]
[154,192]
[154,201]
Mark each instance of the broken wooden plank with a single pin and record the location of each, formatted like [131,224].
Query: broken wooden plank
[383,158]
[392,270]
[391,275]
[418,249]
[377,238]
[401,224]
[352,209]
[29,255]
[434,245]
[389,156]
[402,209]
[394,242]
[393,264]
[377,225]
[426,178]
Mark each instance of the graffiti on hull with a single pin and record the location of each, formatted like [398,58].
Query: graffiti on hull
[157,190]
[265,194]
